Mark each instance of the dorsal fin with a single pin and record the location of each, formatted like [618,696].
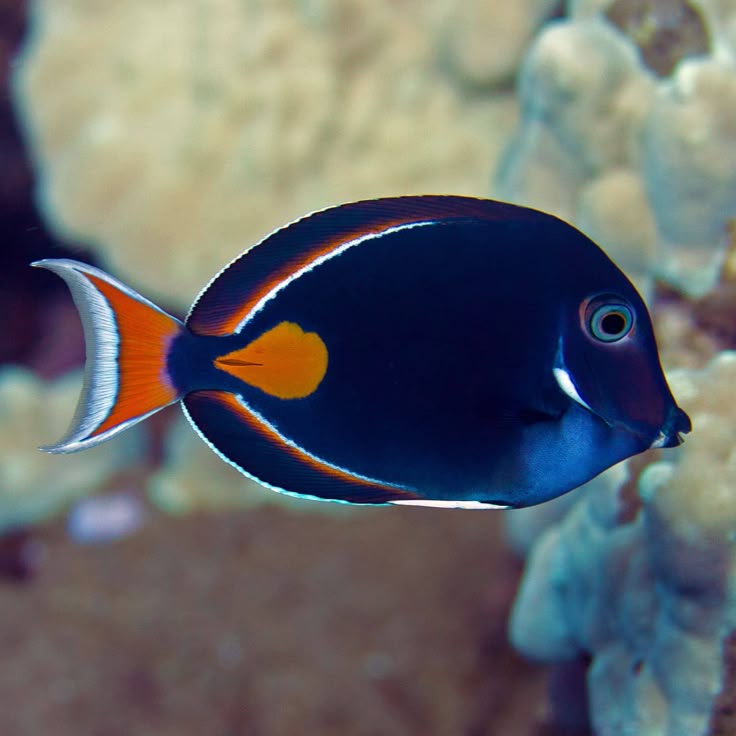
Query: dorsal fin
[226,301]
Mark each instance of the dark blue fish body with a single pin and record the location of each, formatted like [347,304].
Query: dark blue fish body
[419,350]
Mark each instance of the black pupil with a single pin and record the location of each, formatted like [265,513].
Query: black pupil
[613,323]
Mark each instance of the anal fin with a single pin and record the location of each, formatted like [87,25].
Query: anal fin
[246,441]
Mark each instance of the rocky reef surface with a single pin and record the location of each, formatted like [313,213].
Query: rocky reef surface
[627,130]
[163,141]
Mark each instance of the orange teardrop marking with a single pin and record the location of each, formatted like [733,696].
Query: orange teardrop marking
[285,362]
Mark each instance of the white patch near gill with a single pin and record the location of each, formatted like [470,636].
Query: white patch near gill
[447,504]
[564,379]
[659,441]
[322,259]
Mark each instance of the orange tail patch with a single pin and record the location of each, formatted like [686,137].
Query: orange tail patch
[285,362]
[145,336]
[128,339]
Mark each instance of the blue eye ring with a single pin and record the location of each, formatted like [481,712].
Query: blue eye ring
[610,322]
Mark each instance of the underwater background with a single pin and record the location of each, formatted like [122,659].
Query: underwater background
[147,587]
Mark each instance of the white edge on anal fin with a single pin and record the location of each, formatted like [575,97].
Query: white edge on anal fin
[250,476]
[477,505]
[305,496]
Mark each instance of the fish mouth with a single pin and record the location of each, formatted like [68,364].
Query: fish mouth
[677,424]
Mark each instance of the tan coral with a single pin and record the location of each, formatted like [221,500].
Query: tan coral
[689,170]
[483,42]
[619,85]
[613,209]
[583,98]
[33,485]
[648,598]
[170,136]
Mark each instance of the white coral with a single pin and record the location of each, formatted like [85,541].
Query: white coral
[689,168]
[652,599]
[34,485]
[592,110]
[172,135]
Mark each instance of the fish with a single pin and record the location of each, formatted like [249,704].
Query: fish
[431,350]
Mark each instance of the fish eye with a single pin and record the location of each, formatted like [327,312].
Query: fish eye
[610,322]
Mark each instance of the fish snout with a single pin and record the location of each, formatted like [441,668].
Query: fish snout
[677,424]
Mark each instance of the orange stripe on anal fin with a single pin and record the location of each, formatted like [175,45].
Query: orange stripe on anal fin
[365,490]
[285,362]
[144,335]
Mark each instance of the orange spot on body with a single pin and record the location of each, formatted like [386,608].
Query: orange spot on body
[285,362]
[144,338]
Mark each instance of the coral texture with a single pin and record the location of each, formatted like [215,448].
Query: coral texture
[170,136]
[647,594]
[33,485]
[627,130]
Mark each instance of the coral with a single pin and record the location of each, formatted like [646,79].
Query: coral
[35,486]
[691,332]
[583,97]
[647,594]
[665,31]
[689,165]
[612,209]
[193,478]
[627,130]
[465,30]
[170,136]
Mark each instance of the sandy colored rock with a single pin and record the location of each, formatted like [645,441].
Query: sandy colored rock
[34,485]
[643,86]
[172,136]
[647,596]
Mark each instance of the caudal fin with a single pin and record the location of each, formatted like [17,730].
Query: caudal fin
[127,338]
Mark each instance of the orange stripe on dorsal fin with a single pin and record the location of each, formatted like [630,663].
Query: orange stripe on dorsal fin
[285,362]
[228,300]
